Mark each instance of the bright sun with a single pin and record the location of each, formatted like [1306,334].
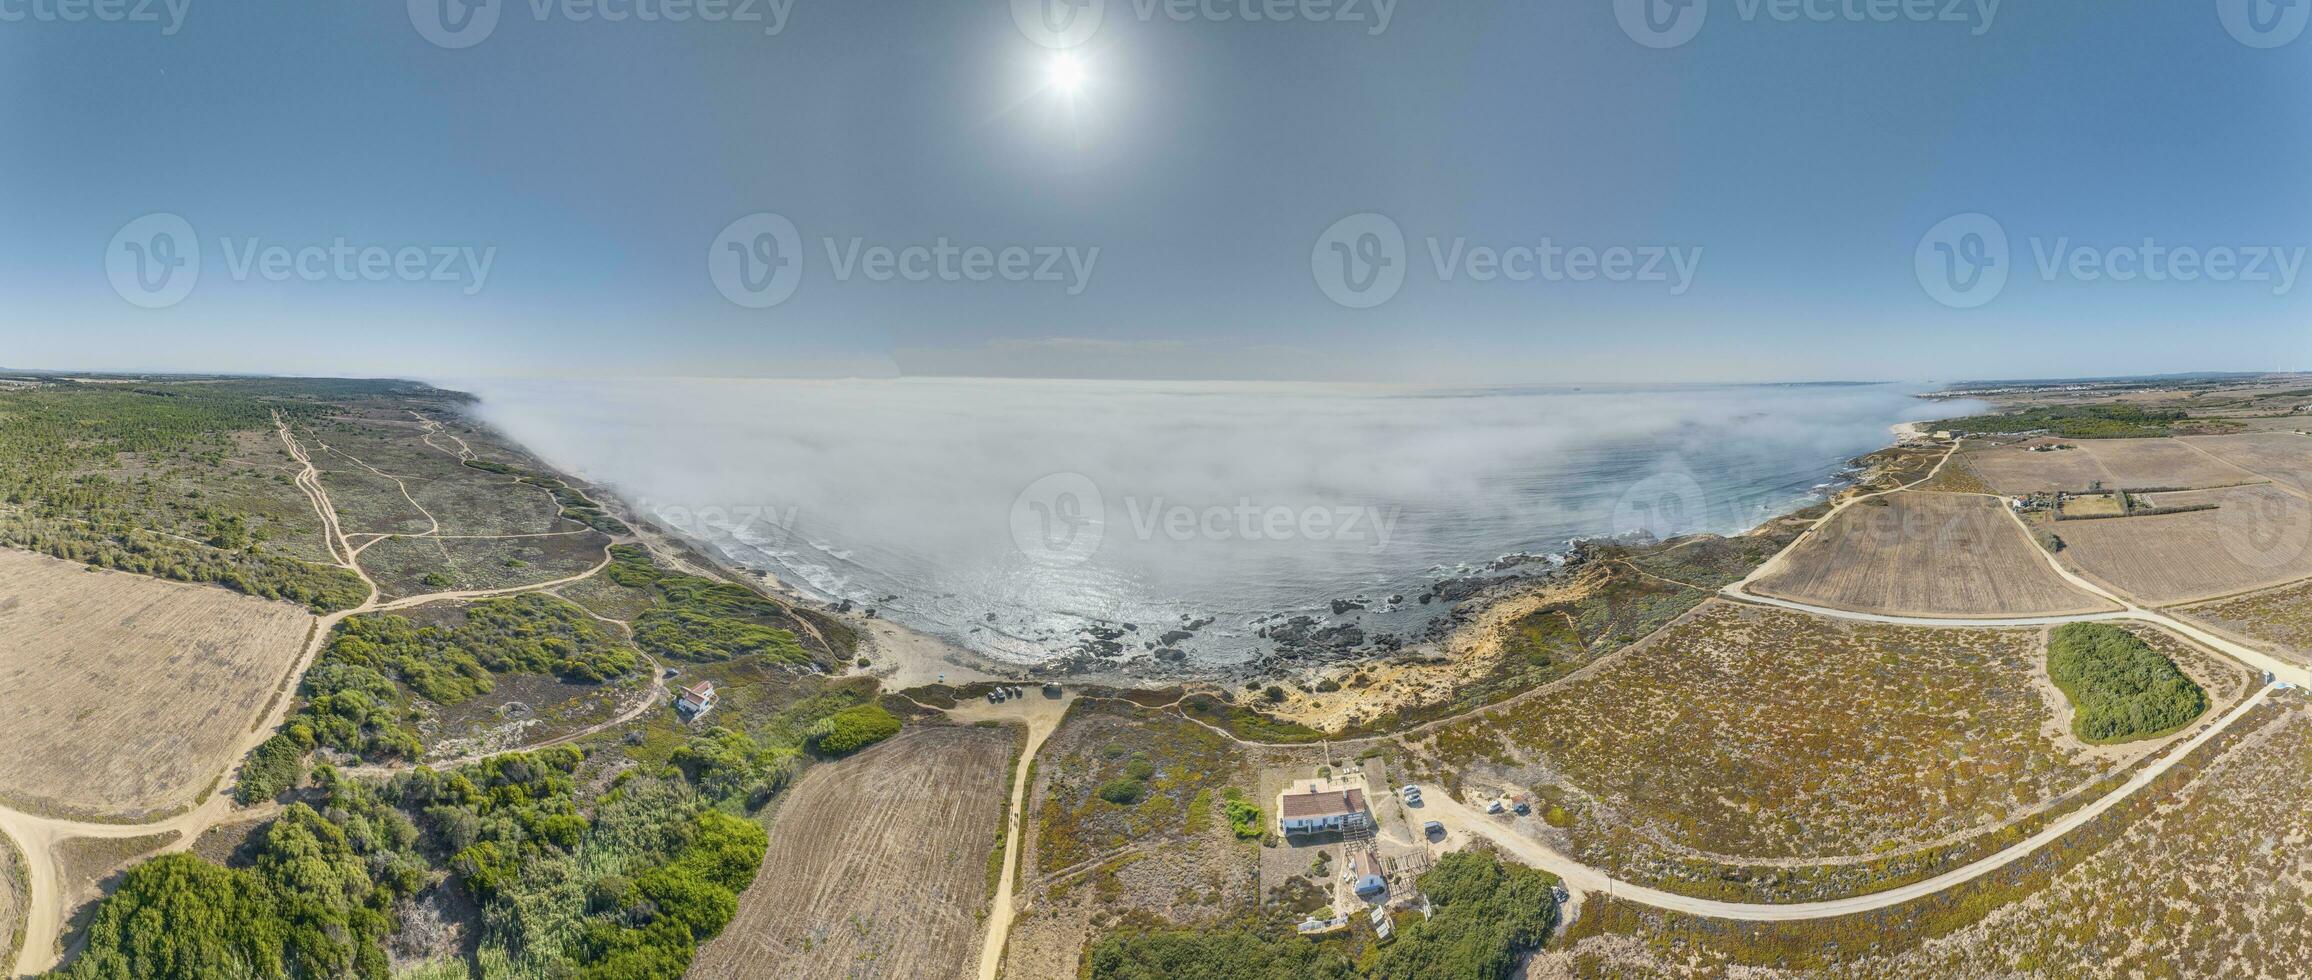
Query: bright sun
[1065,73]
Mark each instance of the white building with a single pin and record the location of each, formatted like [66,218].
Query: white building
[1316,807]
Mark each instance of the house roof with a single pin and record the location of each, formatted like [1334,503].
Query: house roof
[702,689]
[1365,862]
[1324,803]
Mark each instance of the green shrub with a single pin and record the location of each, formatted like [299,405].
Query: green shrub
[274,765]
[1244,817]
[852,729]
[2120,688]
[1124,792]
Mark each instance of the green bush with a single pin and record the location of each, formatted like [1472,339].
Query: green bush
[274,765]
[2120,688]
[1244,817]
[1124,792]
[852,729]
[1487,914]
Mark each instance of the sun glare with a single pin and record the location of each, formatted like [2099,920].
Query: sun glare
[1065,73]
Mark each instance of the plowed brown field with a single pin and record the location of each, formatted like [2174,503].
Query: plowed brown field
[124,695]
[877,865]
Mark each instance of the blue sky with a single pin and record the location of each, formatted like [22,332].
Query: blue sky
[1799,165]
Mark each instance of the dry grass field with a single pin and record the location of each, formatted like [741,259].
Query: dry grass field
[2259,536]
[2094,505]
[1957,477]
[2212,882]
[124,695]
[2284,457]
[877,865]
[1089,861]
[1925,554]
[2277,621]
[1689,744]
[401,565]
[2116,463]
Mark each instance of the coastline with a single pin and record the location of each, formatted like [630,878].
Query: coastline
[904,656]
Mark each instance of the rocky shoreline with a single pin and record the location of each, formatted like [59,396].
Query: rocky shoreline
[1128,654]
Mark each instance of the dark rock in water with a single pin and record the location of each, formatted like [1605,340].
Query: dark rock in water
[991,617]
[1395,599]
[1174,636]
[1425,599]
[870,614]
[843,606]
[1198,623]
[1171,655]
[1507,562]
[1341,606]
[1131,627]
[1457,589]
[1301,638]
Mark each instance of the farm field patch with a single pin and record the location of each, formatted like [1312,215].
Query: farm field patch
[2116,463]
[2284,457]
[1922,554]
[1689,745]
[2257,537]
[126,695]
[877,865]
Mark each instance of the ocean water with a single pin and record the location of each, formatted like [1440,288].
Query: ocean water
[1032,519]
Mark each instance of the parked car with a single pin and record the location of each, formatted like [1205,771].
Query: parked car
[1433,829]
